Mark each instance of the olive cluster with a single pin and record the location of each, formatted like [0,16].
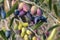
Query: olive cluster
[24,32]
[32,13]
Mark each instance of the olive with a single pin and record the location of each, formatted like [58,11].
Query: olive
[33,10]
[26,37]
[22,13]
[43,19]
[20,6]
[34,38]
[23,32]
[3,14]
[16,12]
[25,24]
[20,26]
[8,33]
[26,7]
[39,12]
[28,32]
[36,19]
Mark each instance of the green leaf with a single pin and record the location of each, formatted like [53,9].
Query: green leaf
[42,1]
[37,25]
[11,22]
[13,37]
[3,35]
[53,27]
[44,36]
[1,1]
[56,11]
[12,9]
[50,4]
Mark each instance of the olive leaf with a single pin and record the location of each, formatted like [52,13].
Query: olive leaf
[1,1]
[3,35]
[37,25]
[52,35]
[11,22]
[55,26]
[50,4]
[56,10]
[42,1]
[13,37]
[12,9]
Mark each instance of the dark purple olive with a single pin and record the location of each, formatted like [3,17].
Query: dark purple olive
[26,7]
[43,19]
[22,13]
[8,33]
[3,14]
[37,19]
[16,12]
[39,12]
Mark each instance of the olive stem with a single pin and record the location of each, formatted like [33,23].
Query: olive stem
[34,32]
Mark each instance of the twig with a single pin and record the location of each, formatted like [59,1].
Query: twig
[34,32]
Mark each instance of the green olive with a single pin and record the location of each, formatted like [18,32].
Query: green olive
[26,37]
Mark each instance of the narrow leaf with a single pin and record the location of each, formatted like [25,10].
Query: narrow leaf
[37,25]
[12,9]
[11,22]
[53,27]
[52,35]
[1,1]
[56,11]
[3,35]
[13,37]
[50,4]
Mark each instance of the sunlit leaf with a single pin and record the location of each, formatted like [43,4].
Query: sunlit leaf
[12,9]
[52,35]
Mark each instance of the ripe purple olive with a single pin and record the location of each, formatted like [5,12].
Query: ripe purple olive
[26,7]
[22,13]
[8,33]
[33,10]
[39,12]
[3,14]
[20,6]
